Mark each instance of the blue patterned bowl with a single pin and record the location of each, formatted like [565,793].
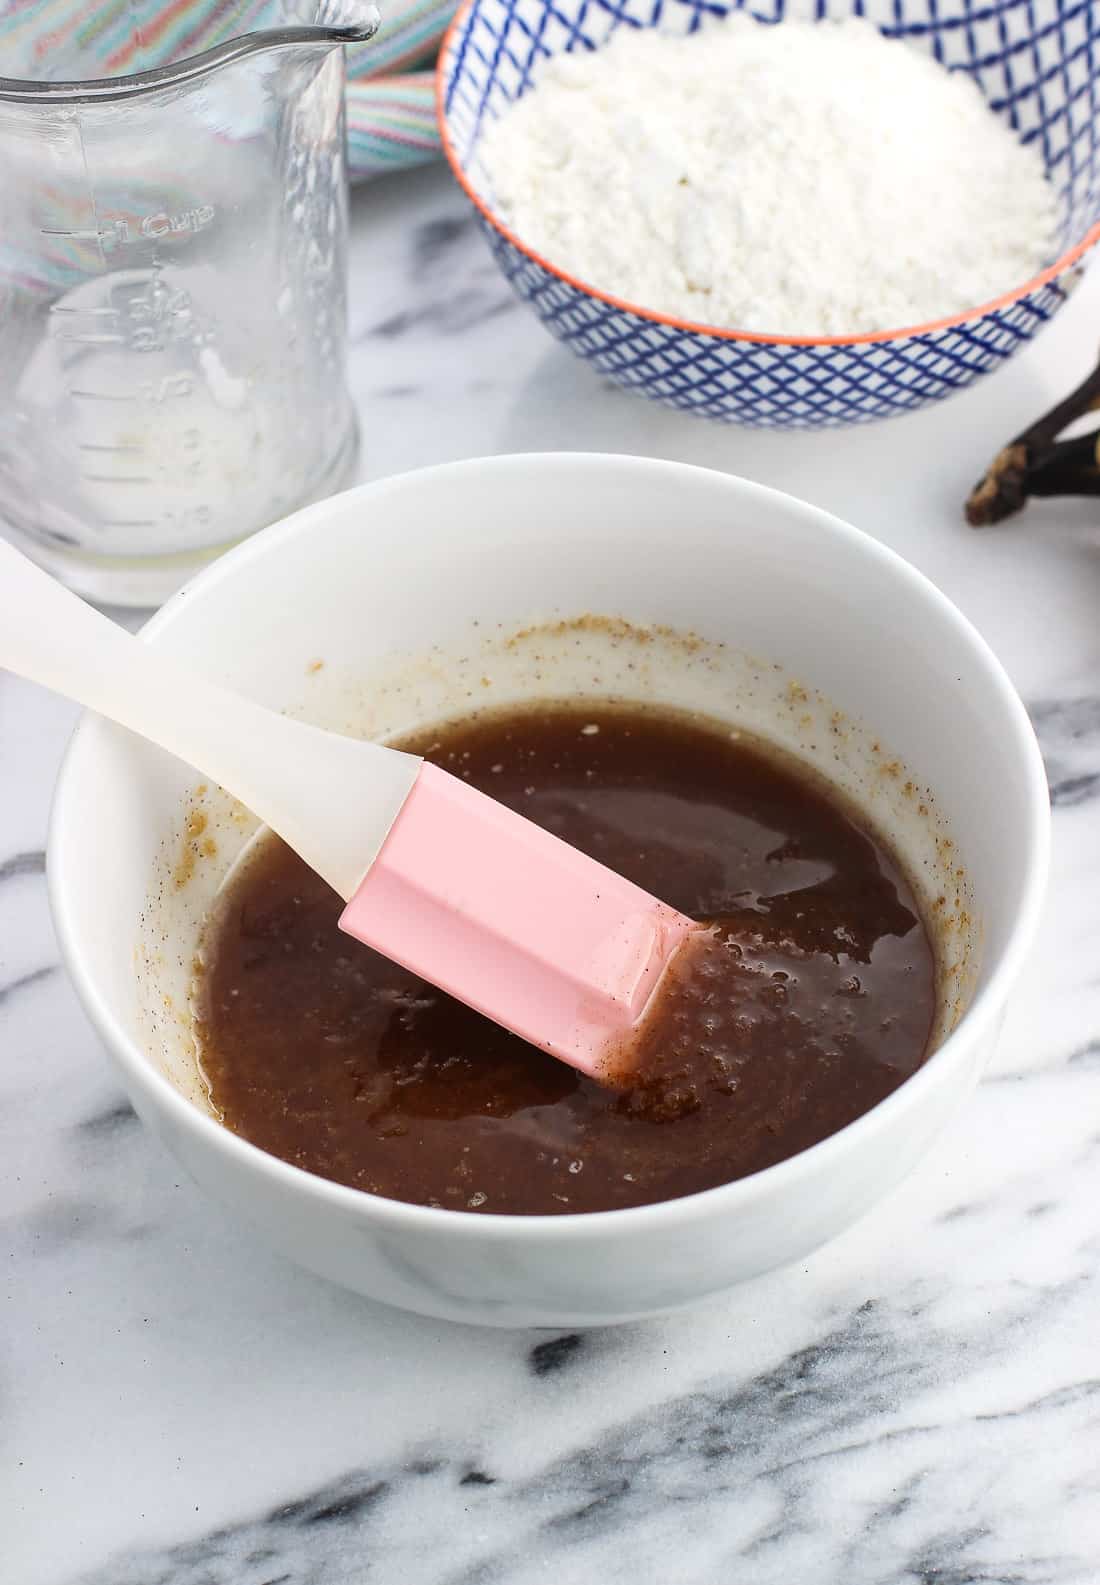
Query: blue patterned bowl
[1036,61]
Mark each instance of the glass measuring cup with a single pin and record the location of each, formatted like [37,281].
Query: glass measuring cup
[173,219]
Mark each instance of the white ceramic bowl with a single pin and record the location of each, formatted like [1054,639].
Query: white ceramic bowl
[462,583]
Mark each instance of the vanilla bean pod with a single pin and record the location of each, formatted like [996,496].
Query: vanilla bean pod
[1038,463]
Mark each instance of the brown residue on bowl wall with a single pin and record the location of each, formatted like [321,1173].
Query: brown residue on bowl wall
[615,628]
[195,844]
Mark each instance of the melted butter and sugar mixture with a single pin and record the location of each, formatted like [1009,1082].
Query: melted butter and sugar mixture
[809,1002]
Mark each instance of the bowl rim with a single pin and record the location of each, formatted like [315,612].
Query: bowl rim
[729,1198]
[691,327]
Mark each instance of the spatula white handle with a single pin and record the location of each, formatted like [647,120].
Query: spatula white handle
[332,798]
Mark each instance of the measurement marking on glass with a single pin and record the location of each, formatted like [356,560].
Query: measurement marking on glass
[85,236]
[102,396]
[127,446]
[66,308]
[116,478]
[130,522]
[92,339]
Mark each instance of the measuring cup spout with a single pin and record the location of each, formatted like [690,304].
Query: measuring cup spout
[336,22]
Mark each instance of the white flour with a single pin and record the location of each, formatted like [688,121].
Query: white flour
[800,179]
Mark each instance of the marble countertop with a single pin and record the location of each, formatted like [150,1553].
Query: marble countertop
[918,1404]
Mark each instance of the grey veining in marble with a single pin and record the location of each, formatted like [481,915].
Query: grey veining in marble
[917,1404]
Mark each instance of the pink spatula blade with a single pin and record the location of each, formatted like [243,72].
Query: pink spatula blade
[513,921]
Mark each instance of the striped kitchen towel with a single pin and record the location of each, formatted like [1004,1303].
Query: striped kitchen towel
[391,103]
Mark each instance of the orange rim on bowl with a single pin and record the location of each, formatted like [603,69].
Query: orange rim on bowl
[1051,273]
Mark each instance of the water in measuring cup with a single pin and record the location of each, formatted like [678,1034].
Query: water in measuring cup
[141,422]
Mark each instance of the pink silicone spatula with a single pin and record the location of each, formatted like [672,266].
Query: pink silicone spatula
[436,875]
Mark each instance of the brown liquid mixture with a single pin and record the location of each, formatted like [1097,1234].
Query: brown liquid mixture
[812,1002]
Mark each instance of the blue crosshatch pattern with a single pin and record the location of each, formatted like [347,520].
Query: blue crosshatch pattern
[1037,63]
